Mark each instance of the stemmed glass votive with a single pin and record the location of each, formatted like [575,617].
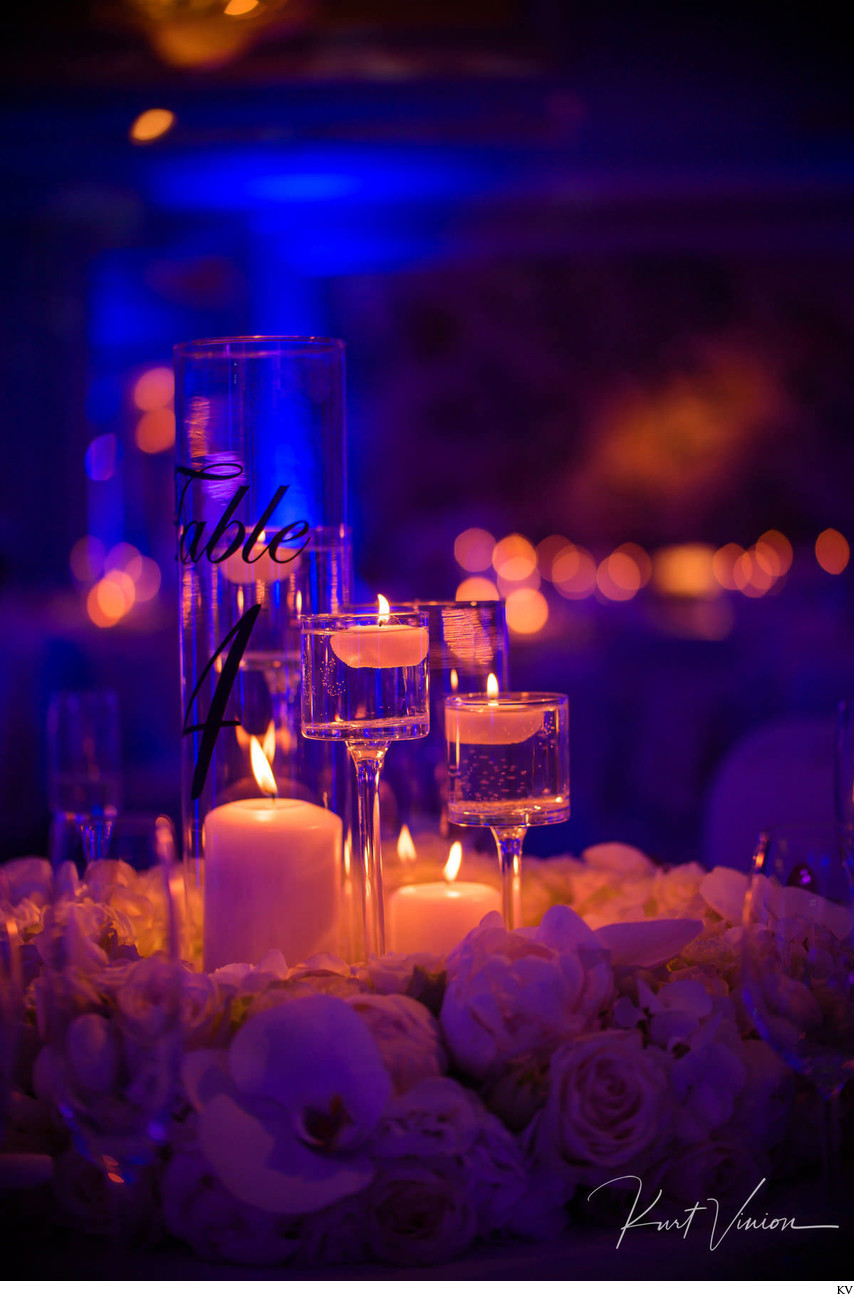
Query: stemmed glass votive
[798,962]
[508,768]
[365,680]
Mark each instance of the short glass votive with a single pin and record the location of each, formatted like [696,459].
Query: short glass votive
[508,769]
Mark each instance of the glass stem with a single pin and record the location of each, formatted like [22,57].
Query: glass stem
[368,761]
[96,833]
[509,840]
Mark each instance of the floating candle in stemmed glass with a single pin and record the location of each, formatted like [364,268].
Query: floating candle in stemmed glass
[365,681]
[508,768]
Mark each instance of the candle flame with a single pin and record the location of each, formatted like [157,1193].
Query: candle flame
[492,685]
[298,603]
[268,744]
[384,609]
[261,769]
[405,846]
[455,680]
[454,862]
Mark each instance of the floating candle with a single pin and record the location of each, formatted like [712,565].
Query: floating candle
[496,721]
[384,644]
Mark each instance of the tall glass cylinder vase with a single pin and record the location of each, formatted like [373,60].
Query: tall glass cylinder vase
[262,538]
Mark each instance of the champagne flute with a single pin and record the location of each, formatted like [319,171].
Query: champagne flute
[508,768]
[365,680]
[83,769]
[798,961]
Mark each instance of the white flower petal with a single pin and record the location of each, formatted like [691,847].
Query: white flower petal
[647,942]
[723,890]
[306,1051]
[618,857]
[273,1171]
[205,1075]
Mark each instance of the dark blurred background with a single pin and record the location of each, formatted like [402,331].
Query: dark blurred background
[593,265]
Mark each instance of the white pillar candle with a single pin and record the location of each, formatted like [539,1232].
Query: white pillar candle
[494,722]
[434,917]
[386,645]
[272,880]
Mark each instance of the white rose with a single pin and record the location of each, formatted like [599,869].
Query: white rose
[406,1034]
[607,1104]
[513,994]
[726,1167]
[419,1213]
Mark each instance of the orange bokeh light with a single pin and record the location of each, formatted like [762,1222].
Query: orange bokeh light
[151,124]
[477,588]
[87,559]
[548,551]
[774,553]
[154,388]
[686,571]
[574,572]
[618,577]
[514,558]
[147,580]
[832,551]
[750,577]
[723,565]
[642,561]
[155,431]
[507,585]
[527,611]
[473,549]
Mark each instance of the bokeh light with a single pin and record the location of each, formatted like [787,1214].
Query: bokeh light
[100,458]
[527,611]
[154,388]
[473,550]
[514,558]
[832,551]
[506,585]
[774,553]
[641,559]
[123,557]
[685,571]
[148,580]
[236,8]
[548,551]
[155,431]
[751,577]
[111,598]
[574,573]
[723,565]
[618,577]
[477,588]
[151,124]
[87,559]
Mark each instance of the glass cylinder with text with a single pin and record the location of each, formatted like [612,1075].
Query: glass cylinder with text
[262,538]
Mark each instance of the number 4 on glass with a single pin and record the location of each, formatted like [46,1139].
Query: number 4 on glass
[216,720]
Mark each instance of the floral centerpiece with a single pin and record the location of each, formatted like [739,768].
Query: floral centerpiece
[403,1109]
